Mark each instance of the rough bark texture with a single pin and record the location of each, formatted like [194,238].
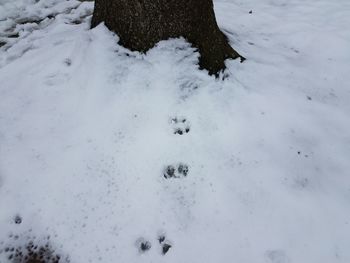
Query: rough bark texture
[140,24]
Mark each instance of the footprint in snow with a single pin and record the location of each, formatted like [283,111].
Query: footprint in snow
[17,219]
[178,194]
[144,245]
[276,256]
[67,62]
[165,244]
[180,125]
[176,171]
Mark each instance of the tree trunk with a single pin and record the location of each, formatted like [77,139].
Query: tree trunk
[140,24]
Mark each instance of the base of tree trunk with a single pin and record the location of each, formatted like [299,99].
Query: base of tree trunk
[141,24]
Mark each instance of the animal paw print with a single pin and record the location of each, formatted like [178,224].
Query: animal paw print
[144,245]
[165,244]
[178,171]
[180,125]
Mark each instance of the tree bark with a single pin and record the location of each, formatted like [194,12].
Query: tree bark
[140,24]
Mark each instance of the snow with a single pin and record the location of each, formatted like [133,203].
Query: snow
[87,131]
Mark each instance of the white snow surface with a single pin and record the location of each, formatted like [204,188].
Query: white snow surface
[86,132]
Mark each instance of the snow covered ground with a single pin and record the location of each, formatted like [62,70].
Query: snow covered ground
[88,128]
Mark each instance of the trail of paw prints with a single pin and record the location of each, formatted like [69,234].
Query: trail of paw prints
[164,245]
[179,170]
[180,125]
[26,247]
